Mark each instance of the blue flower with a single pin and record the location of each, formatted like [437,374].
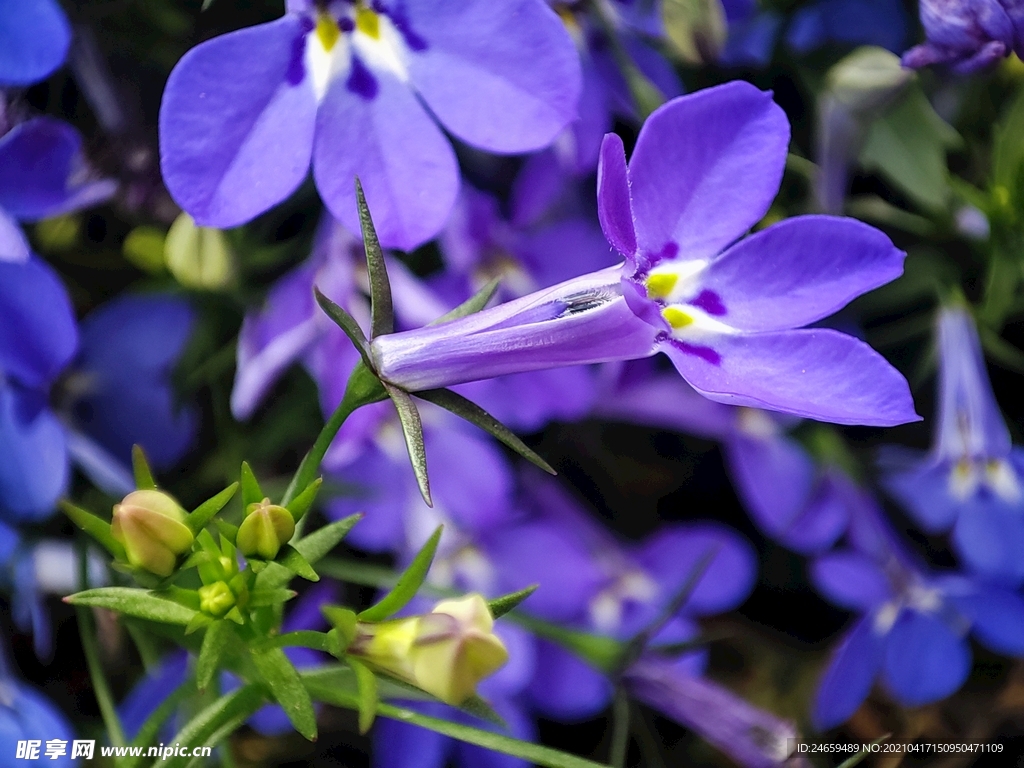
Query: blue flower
[25,714]
[968,35]
[34,39]
[972,481]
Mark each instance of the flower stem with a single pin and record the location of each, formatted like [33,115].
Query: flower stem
[363,388]
[99,683]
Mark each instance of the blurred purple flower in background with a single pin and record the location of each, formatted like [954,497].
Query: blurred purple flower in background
[340,84]
[26,714]
[968,35]
[971,481]
[34,39]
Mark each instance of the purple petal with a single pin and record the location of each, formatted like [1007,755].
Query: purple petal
[924,491]
[565,687]
[847,680]
[520,726]
[614,207]
[705,169]
[799,271]
[406,165]
[235,136]
[564,249]
[997,619]
[402,745]
[826,515]
[850,580]
[27,714]
[33,457]
[924,660]
[470,476]
[815,373]
[381,488]
[13,245]
[38,335]
[107,473]
[34,39]
[151,690]
[504,77]
[989,537]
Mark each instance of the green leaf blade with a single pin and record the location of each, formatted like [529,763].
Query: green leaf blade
[366,686]
[290,558]
[139,603]
[408,583]
[140,468]
[347,323]
[472,305]
[499,606]
[203,514]
[382,313]
[412,429]
[95,526]
[288,689]
[218,637]
[301,504]
[251,491]
[312,547]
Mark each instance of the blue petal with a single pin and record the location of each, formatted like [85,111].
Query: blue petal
[33,457]
[27,714]
[567,688]
[751,42]
[403,745]
[924,659]
[997,618]
[150,692]
[520,726]
[13,245]
[989,537]
[381,488]
[850,580]
[826,515]
[855,22]
[849,676]
[923,490]
[34,39]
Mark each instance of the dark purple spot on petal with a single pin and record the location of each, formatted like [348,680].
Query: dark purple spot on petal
[361,81]
[710,302]
[706,354]
[296,72]
[345,24]
[401,21]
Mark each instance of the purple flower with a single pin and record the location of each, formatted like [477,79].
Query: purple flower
[34,39]
[968,35]
[913,628]
[705,169]
[42,174]
[343,85]
[27,714]
[973,479]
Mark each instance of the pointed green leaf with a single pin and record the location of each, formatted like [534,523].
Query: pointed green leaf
[216,721]
[479,708]
[306,638]
[263,598]
[348,324]
[140,603]
[95,526]
[148,731]
[251,491]
[205,511]
[219,635]
[408,583]
[344,622]
[501,605]
[1008,143]
[473,413]
[198,621]
[472,305]
[300,505]
[290,558]
[366,685]
[412,428]
[382,314]
[143,474]
[274,666]
[312,548]
[227,530]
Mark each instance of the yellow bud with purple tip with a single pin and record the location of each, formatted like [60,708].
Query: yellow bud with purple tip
[150,525]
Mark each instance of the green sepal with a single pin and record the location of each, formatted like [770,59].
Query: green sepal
[480,709]
[307,638]
[96,527]
[256,565]
[198,621]
[226,529]
[287,688]
[472,305]
[499,606]
[412,429]
[366,689]
[251,491]
[290,558]
[140,467]
[218,637]
[186,597]
[140,603]
[382,313]
[235,615]
[201,515]
[301,504]
[474,414]
[601,652]
[265,598]
[312,547]
[408,584]
[344,622]
[348,325]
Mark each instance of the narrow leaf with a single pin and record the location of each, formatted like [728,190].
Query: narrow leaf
[251,491]
[199,620]
[473,413]
[348,324]
[227,530]
[408,583]
[344,622]
[480,709]
[366,684]
[274,666]
[499,606]
[412,428]
[312,548]
[220,718]
[140,603]
[148,731]
[96,527]
[382,314]
[290,558]
[472,305]
[143,474]
[300,505]
[216,640]
[205,511]
[305,638]
[264,598]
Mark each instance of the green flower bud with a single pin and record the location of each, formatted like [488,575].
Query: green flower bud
[216,599]
[151,527]
[265,529]
[445,652]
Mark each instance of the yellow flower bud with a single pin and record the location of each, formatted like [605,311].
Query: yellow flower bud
[151,527]
[216,599]
[265,529]
[446,652]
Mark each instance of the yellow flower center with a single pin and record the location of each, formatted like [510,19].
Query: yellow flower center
[367,22]
[327,30]
[660,284]
[677,317]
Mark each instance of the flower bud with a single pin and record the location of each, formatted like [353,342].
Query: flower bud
[265,529]
[151,527]
[445,652]
[216,599]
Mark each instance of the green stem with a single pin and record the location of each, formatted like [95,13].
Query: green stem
[99,683]
[363,388]
[620,730]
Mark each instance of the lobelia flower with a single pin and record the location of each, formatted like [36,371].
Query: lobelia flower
[34,39]
[42,174]
[967,35]
[727,315]
[913,628]
[26,714]
[971,481]
[340,83]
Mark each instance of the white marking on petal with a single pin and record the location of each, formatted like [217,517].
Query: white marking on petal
[387,52]
[1000,477]
[323,65]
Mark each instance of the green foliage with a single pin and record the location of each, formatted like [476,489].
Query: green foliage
[408,583]
[141,603]
[288,690]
